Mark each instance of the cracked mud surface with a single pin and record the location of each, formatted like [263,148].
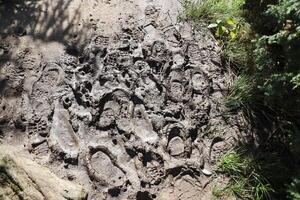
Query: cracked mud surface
[128,113]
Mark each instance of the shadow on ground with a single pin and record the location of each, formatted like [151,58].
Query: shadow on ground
[41,20]
[45,20]
[274,148]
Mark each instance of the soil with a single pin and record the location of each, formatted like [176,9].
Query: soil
[116,95]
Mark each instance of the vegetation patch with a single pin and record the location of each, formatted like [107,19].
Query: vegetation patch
[224,19]
[260,40]
[246,181]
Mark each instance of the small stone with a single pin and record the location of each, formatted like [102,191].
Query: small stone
[206,172]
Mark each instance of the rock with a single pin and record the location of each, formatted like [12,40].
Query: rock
[21,178]
[206,172]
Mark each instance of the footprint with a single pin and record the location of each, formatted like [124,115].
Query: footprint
[108,115]
[103,167]
[178,87]
[63,139]
[200,82]
[178,140]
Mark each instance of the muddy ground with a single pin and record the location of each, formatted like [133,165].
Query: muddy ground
[118,96]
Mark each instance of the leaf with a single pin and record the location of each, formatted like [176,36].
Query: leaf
[231,22]
[221,30]
[233,34]
[296,81]
[214,25]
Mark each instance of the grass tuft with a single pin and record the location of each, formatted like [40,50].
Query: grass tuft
[242,92]
[211,10]
[233,163]
[245,180]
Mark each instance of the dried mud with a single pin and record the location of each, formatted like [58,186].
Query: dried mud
[133,114]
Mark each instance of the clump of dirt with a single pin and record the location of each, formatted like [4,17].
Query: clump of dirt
[131,115]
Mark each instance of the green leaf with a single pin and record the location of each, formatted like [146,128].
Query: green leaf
[231,22]
[233,34]
[296,81]
[221,30]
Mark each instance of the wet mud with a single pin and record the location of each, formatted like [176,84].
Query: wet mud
[130,115]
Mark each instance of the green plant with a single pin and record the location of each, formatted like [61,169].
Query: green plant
[211,10]
[277,54]
[226,28]
[233,163]
[219,192]
[224,19]
[296,81]
[202,10]
[245,181]
[294,190]
[242,92]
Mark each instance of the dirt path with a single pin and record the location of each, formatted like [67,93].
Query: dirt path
[116,95]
